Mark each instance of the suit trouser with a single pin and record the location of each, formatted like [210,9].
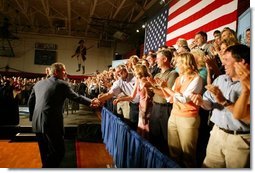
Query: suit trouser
[158,126]
[133,115]
[52,149]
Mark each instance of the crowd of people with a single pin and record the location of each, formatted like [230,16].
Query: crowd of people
[192,102]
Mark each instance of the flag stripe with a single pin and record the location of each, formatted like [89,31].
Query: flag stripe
[184,18]
[213,25]
[211,9]
[204,15]
[210,33]
[183,8]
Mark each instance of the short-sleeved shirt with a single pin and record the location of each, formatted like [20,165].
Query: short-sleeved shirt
[221,116]
[170,76]
[125,86]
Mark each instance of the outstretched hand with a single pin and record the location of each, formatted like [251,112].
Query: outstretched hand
[95,103]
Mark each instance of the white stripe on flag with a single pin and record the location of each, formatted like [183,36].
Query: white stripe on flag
[223,10]
[188,12]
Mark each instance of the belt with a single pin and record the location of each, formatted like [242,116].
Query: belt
[234,132]
[162,104]
[134,103]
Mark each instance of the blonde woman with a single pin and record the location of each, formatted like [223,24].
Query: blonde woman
[200,61]
[224,44]
[145,103]
[184,121]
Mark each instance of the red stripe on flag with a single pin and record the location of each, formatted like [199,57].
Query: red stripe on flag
[224,20]
[211,7]
[182,9]
[173,2]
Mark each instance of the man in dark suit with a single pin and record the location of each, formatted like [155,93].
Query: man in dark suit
[154,69]
[46,113]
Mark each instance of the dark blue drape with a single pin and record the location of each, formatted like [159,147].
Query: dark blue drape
[128,149]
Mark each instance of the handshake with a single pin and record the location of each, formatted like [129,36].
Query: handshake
[95,103]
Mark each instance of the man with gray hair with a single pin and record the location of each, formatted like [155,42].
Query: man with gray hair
[46,113]
[125,84]
[161,109]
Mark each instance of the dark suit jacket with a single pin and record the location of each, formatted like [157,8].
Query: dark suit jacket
[46,105]
[154,70]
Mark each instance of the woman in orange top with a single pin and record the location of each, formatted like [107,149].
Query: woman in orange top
[183,123]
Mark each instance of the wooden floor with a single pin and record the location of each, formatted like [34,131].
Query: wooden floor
[26,155]
[92,155]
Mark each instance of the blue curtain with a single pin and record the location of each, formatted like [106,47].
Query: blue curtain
[128,149]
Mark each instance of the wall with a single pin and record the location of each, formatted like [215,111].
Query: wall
[244,22]
[24,49]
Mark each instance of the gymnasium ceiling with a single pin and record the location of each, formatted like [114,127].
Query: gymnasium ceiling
[99,19]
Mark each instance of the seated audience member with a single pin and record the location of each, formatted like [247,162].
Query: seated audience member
[248,37]
[228,33]
[181,42]
[200,42]
[9,107]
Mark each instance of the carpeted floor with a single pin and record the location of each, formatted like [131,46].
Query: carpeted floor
[83,147]
[92,155]
[78,155]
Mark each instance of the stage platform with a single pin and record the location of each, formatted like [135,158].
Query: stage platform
[72,120]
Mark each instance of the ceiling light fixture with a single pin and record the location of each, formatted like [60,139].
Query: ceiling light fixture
[162,2]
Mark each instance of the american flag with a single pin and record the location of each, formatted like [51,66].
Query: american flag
[155,31]
[186,18]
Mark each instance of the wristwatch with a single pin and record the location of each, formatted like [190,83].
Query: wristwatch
[226,103]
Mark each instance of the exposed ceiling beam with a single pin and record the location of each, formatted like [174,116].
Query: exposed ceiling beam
[61,15]
[146,7]
[69,17]
[46,7]
[112,4]
[2,2]
[78,15]
[102,2]
[118,9]
[131,15]
[93,7]
[24,10]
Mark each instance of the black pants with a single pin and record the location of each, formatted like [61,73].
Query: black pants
[52,149]
[158,126]
[134,114]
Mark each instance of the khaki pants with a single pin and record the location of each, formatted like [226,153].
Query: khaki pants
[227,151]
[182,139]
[124,109]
